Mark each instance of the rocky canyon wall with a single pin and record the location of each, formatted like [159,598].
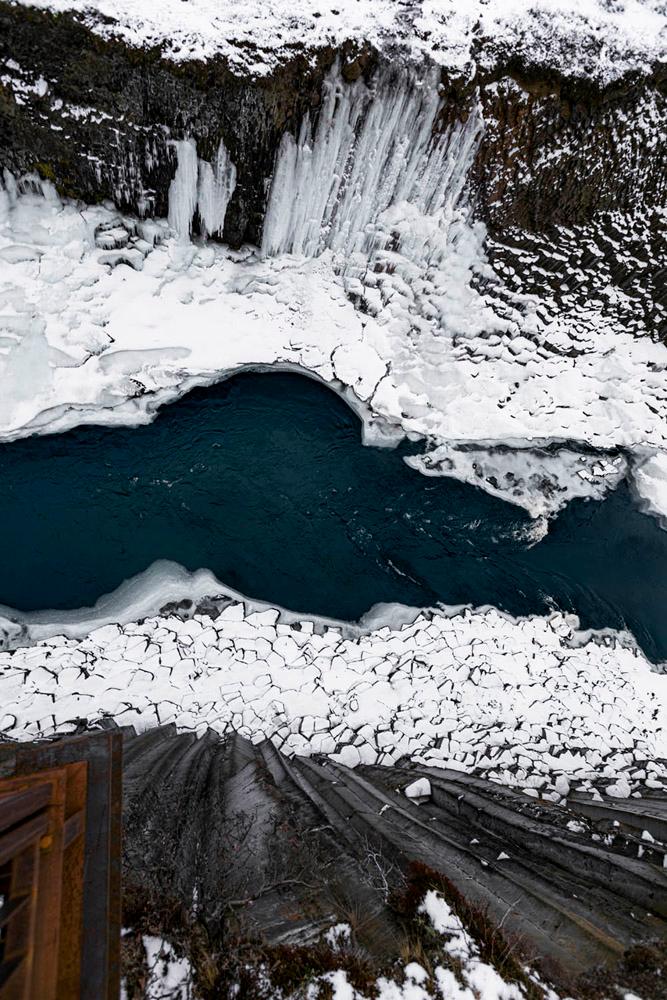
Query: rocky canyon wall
[100,119]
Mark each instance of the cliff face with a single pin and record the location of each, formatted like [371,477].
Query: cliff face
[98,117]
[557,153]
[100,120]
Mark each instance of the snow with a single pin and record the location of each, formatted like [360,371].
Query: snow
[582,38]
[458,974]
[107,336]
[650,480]
[338,935]
[529,702]
[169,977]
[373,277]
[384,287]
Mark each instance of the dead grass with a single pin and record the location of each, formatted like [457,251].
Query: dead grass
[496,948]
[642,971]
[238,967]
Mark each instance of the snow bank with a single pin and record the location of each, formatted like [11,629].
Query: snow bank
[523,701]
[582,38]
[650,480]
[164,583]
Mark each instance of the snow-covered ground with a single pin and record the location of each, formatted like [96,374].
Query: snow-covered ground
[459,972]
[583,38]
[169,977]
[532,702]
[107,335]
[385,288]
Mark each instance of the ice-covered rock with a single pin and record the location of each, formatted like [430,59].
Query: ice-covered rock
[532,702]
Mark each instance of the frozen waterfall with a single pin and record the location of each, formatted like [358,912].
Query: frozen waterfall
[376,169]
[200,187]
[183,189]
[215,187]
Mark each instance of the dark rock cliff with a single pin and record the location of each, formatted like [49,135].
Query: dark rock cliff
[299,845]
[103,128]
[96,117]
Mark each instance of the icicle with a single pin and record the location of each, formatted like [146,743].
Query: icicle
[183,189]
[338,186]
[200,186]
[215,188]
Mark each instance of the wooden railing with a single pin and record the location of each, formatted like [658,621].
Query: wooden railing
[60,869]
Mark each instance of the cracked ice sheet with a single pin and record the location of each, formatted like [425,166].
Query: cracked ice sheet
[584,38]
[530,702]
[83,342]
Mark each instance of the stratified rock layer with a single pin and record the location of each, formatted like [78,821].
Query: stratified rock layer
[280,850]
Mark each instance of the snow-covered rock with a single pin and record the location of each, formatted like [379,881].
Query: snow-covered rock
[530,702]
[419,789]
[586,38]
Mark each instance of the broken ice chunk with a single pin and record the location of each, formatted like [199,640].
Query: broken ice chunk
[419,790]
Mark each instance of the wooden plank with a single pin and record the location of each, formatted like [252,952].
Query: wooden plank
[74,827]
[13,979]
[71,914]
[44,975]
[100,952]
[45,927]
[20,926]
[115,863]
[18,805]
[11,907]
[16,840]
[7,759]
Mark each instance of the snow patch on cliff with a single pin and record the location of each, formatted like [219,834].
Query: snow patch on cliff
[593,39]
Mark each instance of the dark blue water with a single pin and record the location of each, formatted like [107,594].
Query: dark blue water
[264,481]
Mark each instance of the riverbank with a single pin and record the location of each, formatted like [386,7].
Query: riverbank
[531,703]
[108,336]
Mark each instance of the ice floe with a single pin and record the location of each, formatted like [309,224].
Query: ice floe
[526,702]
